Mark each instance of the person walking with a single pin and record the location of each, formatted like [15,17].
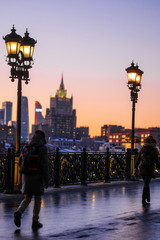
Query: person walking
[34,179]
[146,160]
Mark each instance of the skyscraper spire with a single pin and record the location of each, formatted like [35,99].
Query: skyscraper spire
[62,84]
[61,92]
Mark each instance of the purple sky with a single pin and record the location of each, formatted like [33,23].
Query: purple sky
[91,42]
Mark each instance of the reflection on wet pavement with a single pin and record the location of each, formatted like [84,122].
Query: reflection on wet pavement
[105,213]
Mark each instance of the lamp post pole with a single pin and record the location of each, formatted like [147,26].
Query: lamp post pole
[133,121]
[18,129]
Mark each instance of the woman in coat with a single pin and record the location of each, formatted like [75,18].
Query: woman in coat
[146,160]
[33,184]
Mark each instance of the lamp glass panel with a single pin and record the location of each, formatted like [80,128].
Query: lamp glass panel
[132,77]
[27,51]
[13,47]
[138,79]
[31,53]
[21,49]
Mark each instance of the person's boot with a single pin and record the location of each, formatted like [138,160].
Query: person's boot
[145,204]
[148,195]
[36,224]
[17,218]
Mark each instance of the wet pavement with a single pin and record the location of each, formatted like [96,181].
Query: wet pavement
[99,211]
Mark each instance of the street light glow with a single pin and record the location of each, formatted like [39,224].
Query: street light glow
[132,77]
[12,47]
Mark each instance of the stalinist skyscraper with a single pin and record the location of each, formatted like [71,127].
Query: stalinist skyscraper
[61,117]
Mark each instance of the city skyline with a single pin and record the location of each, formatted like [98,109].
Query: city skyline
[92,42]
[39,108]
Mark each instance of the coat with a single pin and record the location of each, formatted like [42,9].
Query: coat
[34,184]
[150,150]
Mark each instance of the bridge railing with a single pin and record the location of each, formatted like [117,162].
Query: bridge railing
[2,170]
[7,167]
[73,168]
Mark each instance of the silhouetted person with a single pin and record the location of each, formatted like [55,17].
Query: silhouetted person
[35,179]
[146,160]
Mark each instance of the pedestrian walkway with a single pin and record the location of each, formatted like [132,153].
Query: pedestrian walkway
[98,212]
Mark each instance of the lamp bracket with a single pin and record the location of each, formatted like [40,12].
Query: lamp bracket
[19,72]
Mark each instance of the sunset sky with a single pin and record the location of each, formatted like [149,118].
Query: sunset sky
[91,42]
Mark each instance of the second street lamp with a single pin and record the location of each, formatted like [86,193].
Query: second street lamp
[134,84]
[20,52]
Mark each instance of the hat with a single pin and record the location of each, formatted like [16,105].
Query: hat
[41,133]
[150,139]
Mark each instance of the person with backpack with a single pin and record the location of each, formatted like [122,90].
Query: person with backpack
[147,158]
[34,169]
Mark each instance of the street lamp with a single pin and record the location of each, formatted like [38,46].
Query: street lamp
[20,53]
[134,84]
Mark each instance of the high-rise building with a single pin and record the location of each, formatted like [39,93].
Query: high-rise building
[61,117]
[39,119]
[24,119]
[7,106]
[1,116]
[104,132]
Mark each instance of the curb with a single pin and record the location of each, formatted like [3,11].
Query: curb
[91,186]
[81,188]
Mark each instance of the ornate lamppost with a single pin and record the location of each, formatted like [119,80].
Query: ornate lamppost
[134,84]
[20,52]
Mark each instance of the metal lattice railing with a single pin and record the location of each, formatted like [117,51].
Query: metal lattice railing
[2,171]
[70,167]
[95,166]
[117,166]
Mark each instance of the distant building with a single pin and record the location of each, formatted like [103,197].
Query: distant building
[106,130]
[82,132]
[123,137]
[61,117]
[90,144]
[119,138]
[39,119]
[24,119]
[1,116]
[7,106]
[69,145]
[115,128]
[12,123]
[7,134]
